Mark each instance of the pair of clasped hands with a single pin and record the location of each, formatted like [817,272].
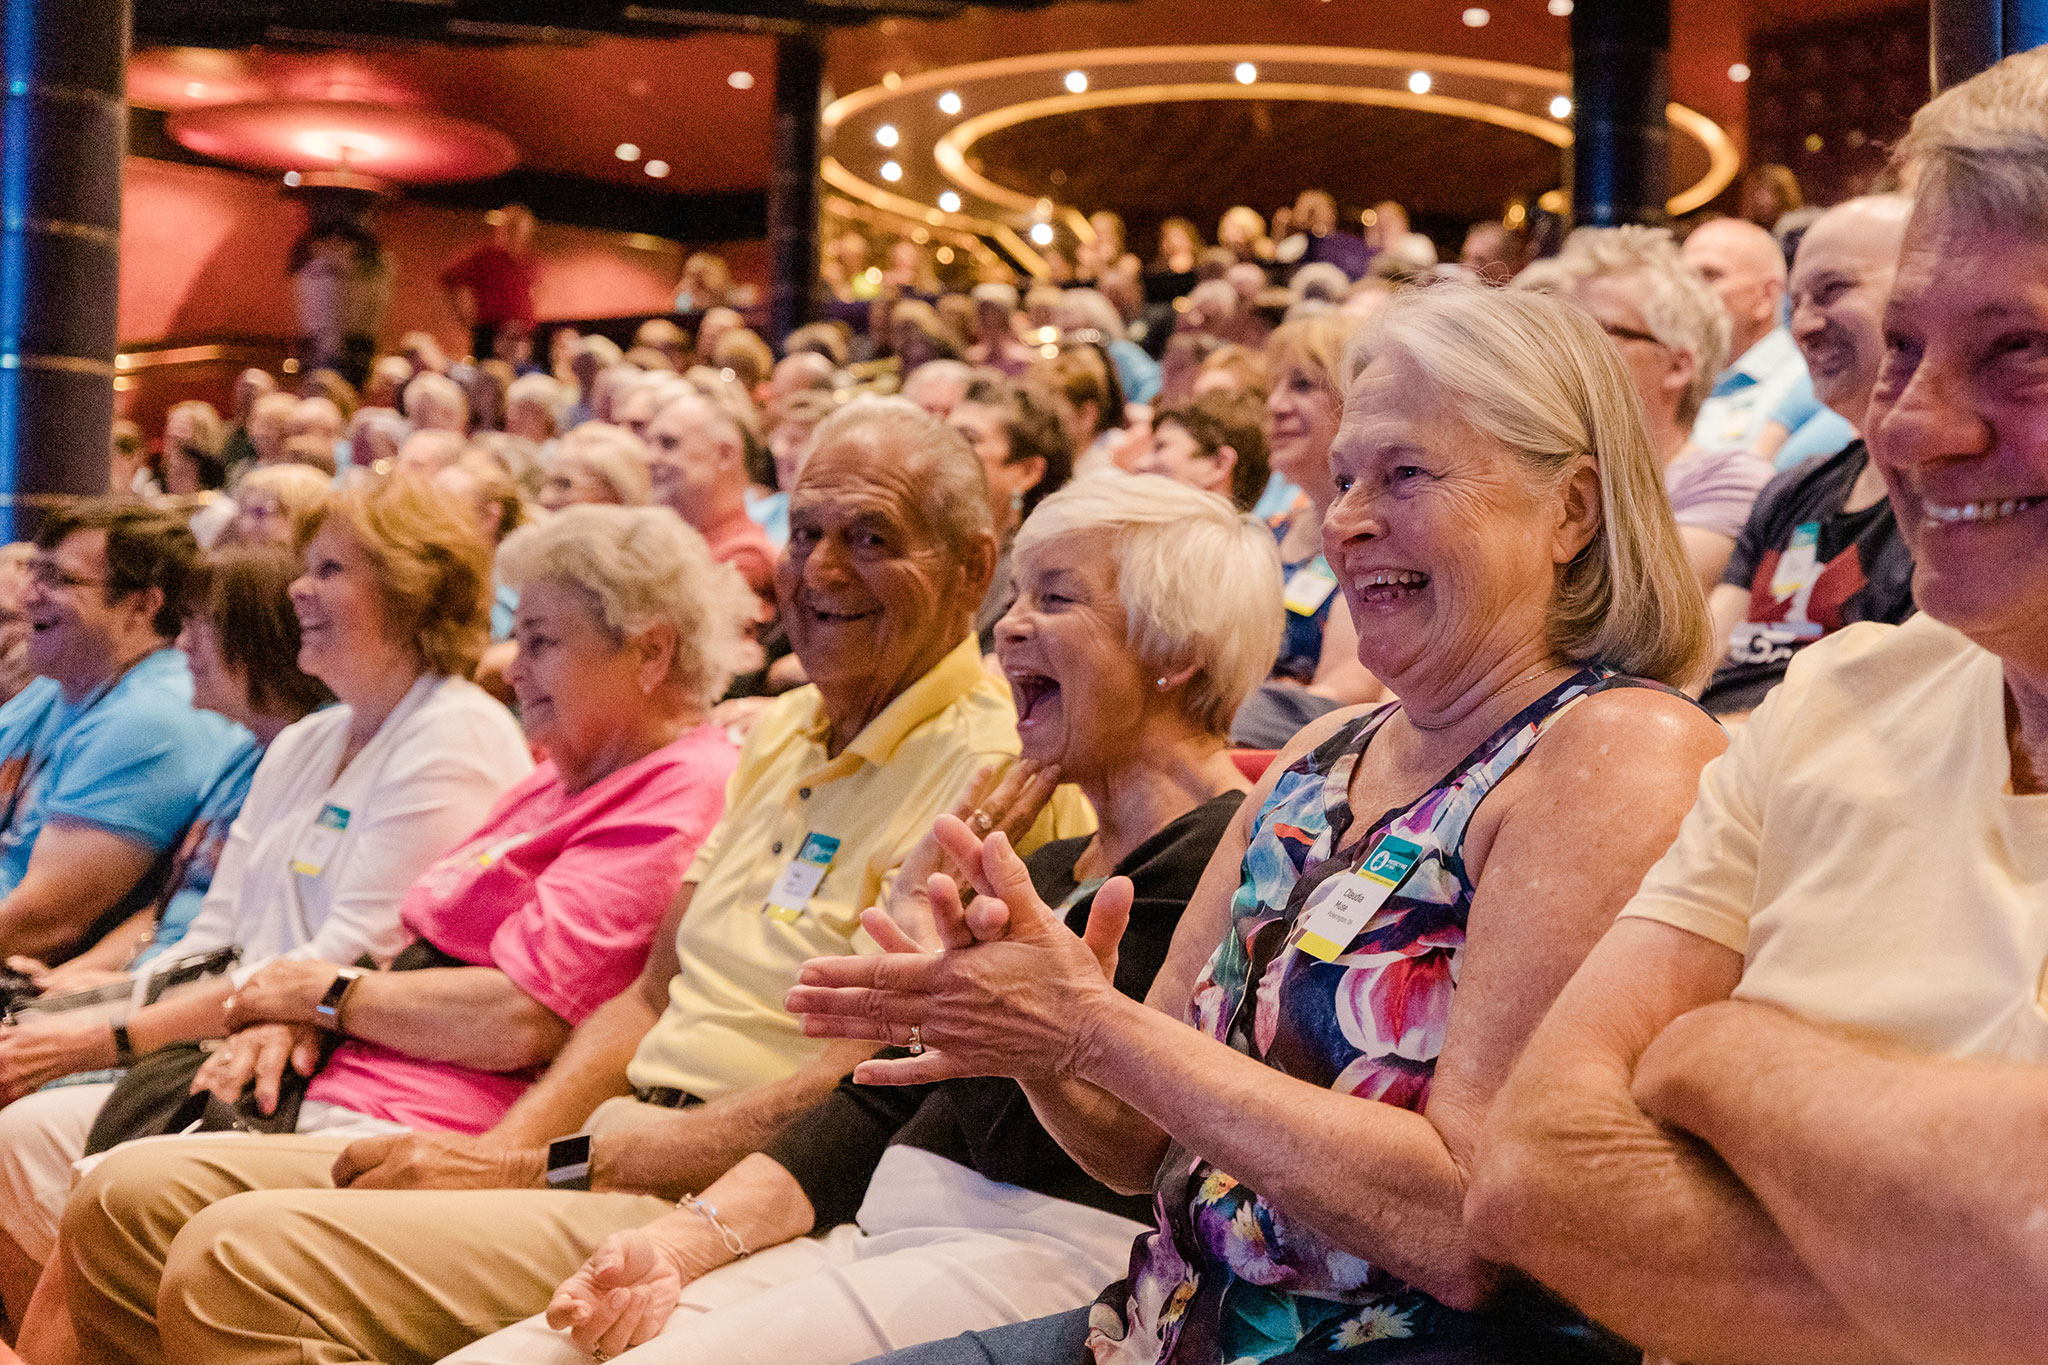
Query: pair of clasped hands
[998,986]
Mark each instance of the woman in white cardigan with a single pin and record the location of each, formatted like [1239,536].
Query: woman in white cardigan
[346,809]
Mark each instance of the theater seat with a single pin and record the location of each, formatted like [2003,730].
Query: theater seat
[1253,762]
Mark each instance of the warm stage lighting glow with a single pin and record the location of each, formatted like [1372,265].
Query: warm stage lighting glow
[340,146]
[1476,18]
[950,202]
[1738,73]
[626,151]
[741,80]
[886,135]
[949,103]
[891,171]
[1246,73]
[1077,82]
[1561,107]
[657,169]
[1419,83]
[1041,234]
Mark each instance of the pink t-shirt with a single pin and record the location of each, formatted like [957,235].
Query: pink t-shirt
[562,894]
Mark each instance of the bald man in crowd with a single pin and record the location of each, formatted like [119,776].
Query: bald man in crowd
[699,468]
[1745,267]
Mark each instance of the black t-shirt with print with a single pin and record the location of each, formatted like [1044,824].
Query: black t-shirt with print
[1865,574]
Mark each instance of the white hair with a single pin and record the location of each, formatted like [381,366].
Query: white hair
[1320,280]
[1199,582]
[1679,307]
[537,390]
[1093,309]
[1983,146]
[428,389]
[642,566]
[614,454]
[952,487]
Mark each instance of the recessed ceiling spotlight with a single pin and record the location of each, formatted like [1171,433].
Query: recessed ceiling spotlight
[1041,234]
[891,171]
[949,103]
[890,80]
[950,202]
[1739,72]
[1561,8]
[1418,82]
[657,169]
[1561,106]
[741,80]
[886,135]
[626,151]
[1476,17]
[194,89]
[1246,73]
[1077,81]
[291,178]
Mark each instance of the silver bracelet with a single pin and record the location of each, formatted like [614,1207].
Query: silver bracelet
[709,1214]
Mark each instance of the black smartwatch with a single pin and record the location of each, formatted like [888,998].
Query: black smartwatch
[569,1162]
[327,1014]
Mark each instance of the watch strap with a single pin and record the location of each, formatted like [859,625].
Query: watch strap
[124,1046]
[327,1014]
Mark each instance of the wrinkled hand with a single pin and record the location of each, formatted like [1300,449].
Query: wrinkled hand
[1009,801]
[259,1053]
[437,1161]
[623,1294]
[282,992]
[74,976]
[1013,993]
[32,1055]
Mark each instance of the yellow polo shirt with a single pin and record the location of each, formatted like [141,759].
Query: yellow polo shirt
[725,1028]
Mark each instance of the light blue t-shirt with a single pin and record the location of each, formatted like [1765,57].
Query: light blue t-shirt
[770,512]
[504,613]
[1814,429]
[200,853]
[134,761]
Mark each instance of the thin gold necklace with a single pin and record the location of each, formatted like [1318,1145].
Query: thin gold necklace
[1506,686]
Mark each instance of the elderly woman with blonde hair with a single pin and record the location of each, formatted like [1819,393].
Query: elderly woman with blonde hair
[597,463]
[1391,913]
[1145,612]
[280,504]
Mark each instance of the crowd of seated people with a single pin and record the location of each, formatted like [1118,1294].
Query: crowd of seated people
[1289,803]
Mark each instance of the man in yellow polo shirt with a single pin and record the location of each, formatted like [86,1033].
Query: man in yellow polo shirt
[440,1238]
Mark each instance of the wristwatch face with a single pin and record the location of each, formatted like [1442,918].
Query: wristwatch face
[329,1008]
[569,1162]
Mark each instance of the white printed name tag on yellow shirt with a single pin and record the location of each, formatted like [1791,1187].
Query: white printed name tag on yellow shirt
[1309,586]
[799,881]
[317,844]
[1347,902]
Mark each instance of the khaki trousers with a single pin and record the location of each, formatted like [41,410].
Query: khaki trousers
[239,1250]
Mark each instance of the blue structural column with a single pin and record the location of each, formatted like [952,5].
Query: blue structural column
[62,133]
[1621,83]
[793,193]
[1970,35]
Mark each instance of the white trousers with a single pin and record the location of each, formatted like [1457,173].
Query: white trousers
[937,1250]
[42,1154]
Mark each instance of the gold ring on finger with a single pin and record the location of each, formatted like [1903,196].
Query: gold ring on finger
[980,822]
[916,1041]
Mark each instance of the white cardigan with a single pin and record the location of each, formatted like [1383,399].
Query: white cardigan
[424,781]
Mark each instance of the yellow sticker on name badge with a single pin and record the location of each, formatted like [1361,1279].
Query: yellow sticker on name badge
[1309,587]
[317,844]
[1346,903]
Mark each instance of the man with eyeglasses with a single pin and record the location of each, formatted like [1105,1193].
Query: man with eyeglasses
[103,759]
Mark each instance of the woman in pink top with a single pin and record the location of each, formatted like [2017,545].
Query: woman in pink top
[627,631]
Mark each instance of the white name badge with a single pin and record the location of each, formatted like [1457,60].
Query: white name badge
[1346,903]
[317,844]
[1799,566]
[799,881]
[1309,587]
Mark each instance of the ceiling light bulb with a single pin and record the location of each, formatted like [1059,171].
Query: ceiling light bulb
[1476,17]
[950,202]
[626,151]
[891,171]
[1041,234]
[886,135]
[1246,73]
[291,178]
[1561,106]
[741,80]
[1739,72]
[890,80]
[949,103]
[1561,8]
[1418,82]
[657,169]
[1077,81]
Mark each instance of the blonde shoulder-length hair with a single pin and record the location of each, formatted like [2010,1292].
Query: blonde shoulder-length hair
[1537,374]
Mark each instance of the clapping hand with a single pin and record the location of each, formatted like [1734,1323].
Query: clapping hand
[1012,992]
[1009,801]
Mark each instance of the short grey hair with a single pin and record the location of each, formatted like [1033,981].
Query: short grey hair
[615,454]
[952,487]
[536,390]
[1320,280]
[640,567]
[1094,309]
[1199,582]
[1679,307]
[1983,146]
[427,388]
[1537,375]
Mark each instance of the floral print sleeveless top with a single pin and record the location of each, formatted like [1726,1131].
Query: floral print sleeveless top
[1225,1277]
